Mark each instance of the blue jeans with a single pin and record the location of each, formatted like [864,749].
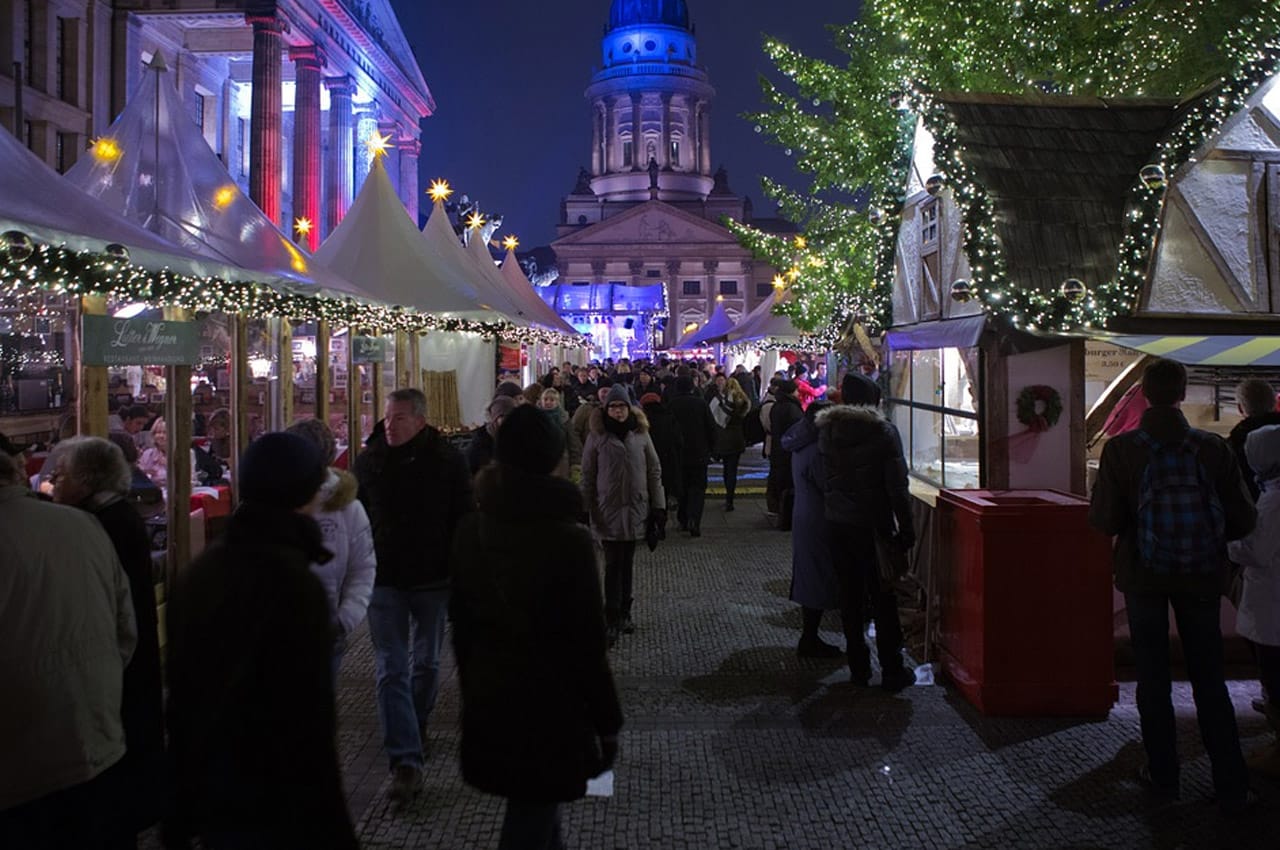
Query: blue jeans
[406,695]
[531,826]
[1197,617]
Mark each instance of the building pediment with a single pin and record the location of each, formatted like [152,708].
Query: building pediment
[652,222]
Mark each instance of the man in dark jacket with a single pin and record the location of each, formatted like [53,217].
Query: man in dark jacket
[1123,496]
[251,716]
[415,487]
[540,714]
[866,503]
[484,438]
[698,432]
[785,412]
[1256,400]
[667,442]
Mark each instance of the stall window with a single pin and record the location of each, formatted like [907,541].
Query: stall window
[933,401]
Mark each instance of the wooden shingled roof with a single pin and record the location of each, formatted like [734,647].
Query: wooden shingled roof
[1058,171]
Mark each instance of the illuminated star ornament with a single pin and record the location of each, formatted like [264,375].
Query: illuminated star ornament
[439,190]
[511,243]
[778,282]
[475,221]
[223,196]
[800,242]
[377,144]
[105,149]
[302,226]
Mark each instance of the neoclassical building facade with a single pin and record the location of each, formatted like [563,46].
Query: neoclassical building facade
[648,212]
[286,92]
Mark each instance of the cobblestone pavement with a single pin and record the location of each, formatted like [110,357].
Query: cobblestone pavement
[733,742]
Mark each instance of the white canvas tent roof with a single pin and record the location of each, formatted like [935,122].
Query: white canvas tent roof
[378,245]
[763,324]
[453,260]
[38,201]
[510,276]
[714,330]
[164,177]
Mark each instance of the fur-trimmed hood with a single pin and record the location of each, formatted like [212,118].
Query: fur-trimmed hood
[597,420]
[851,414]
[339,489]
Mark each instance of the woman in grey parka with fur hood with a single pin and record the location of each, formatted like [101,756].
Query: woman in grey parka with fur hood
[621,487]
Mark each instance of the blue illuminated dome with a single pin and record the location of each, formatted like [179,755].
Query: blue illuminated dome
[628,13]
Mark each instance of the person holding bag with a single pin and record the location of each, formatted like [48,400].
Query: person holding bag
[540,712]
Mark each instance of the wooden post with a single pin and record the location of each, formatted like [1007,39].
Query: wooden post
[237,369]
[404,370]
[415,362]
[177,417]
[379,387]
[323,379]
[284,372]
[91,394]
[355,436]
[1079,435]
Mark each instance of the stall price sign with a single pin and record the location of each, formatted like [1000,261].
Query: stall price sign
[368,349]
[110,341]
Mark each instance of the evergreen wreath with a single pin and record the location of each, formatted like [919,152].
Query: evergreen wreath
[1031,414]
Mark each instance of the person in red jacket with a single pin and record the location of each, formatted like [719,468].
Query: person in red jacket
[805,391]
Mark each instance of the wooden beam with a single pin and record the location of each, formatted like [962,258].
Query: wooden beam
[355,438]
[323,379]
[404,369]
[285,374]
[237,370]
[379,388]
[177,417]
[91,389]
[994,427]
[415,362]
[1079,453]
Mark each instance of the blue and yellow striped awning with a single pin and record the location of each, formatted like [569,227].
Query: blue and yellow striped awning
[1207,350]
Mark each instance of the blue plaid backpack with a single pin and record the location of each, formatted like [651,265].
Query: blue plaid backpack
[1181,522]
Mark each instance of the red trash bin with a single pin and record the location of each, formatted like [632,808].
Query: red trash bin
[1025,621]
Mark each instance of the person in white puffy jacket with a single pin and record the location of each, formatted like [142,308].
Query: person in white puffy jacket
[1258,618]
[348,578]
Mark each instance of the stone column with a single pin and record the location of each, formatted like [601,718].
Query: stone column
[704,138]
[598,269]
[265,140]
[636,267]
[596,120]
[638,162]
[612,138]
[338,170]
[391,158]
[664,133]
[308,60]
[410,149]
[366,125]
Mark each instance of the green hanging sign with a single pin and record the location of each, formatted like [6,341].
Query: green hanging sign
[369,349]
[111,341]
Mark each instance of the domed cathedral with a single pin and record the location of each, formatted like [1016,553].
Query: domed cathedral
[642,226]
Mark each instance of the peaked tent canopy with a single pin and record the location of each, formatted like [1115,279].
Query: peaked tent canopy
[154,166]
[763,324]
[39,202]
[453,260]
[380,246]
[714,330]
[510,275]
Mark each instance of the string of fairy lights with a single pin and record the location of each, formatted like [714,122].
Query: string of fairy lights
[850,129]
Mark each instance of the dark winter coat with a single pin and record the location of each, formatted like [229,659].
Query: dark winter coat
[697,428]
[529,636]
[480,449]
[1113,508]
[251,704]
[865,470]
[1236,439]
[142,705]
[731,439]
[415,494]
[621,479]
[784,413]
[813,574]
[668,443]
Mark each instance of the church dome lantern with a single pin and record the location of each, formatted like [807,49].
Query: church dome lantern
[627,13]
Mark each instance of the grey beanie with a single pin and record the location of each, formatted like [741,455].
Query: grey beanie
[618,393]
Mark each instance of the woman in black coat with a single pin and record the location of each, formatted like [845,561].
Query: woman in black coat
[664,430]
[92,474]
[540,714]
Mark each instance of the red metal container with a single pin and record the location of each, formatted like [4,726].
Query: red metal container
[1025,620]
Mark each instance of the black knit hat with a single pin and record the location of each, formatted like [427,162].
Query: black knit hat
[857,388]
[283,470]
[530,440]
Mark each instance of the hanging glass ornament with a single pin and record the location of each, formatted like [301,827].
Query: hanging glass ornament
[118,252]
[961,292]
[934,184]
[787,151]
[759,129]
[876,215]
[17,245]
[1073,289]
[1152,176]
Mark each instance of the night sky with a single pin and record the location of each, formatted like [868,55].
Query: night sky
[512,127]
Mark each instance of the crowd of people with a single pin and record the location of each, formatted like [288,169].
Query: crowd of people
[238,749]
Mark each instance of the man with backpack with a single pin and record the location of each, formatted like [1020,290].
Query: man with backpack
[1173,496]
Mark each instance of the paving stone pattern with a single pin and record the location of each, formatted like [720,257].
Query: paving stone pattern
[731,741]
